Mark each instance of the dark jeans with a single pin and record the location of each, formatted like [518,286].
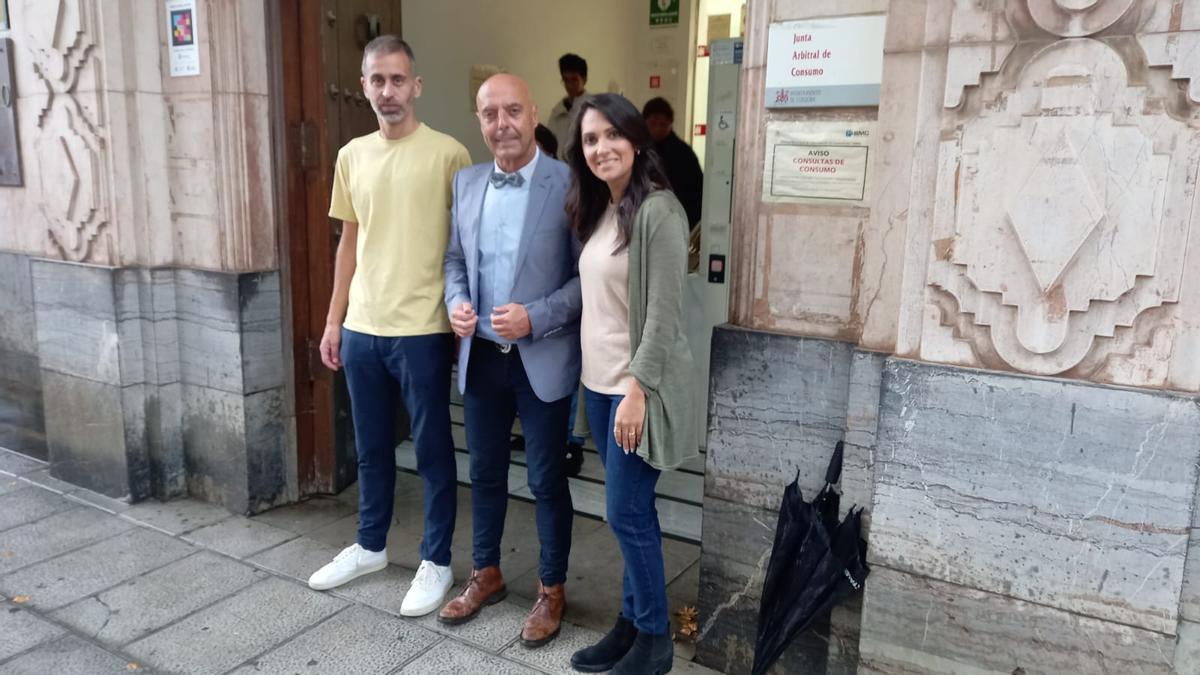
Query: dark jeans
[380,371]
[629,484]
[498,389]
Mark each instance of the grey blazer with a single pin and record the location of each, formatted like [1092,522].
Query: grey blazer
[546,280]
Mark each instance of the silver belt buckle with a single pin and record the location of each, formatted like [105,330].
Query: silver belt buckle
[505,348]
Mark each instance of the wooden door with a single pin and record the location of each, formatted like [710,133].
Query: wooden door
[322,43]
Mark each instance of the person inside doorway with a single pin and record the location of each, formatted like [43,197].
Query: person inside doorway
[574,71]
[512,294]
[678,158]
[637,367]
[386,325]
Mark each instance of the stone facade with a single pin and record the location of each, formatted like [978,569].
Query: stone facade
[1002,508]
[22,420]
[126,166]
[1034,216]
[163,382]
[142,332]
[778,405]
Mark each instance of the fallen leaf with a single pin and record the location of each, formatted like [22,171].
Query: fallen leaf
[21,599]
[133,666]
[6,554]
[688,622]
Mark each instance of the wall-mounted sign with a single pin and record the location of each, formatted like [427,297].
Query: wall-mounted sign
[817,161]
[820,63]
[10,148]
[183,42]
[664,13]
[725,52]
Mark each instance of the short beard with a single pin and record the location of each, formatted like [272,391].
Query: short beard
[390,118]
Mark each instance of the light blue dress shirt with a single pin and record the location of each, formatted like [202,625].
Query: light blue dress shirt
[500,230]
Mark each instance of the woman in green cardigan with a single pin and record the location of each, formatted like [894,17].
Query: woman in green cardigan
[637,368]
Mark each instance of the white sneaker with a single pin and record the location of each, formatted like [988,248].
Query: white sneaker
[353,562]
[428,590]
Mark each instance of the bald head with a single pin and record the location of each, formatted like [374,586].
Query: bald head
[504,85]
[507,118]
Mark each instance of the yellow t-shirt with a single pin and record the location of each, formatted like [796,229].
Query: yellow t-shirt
[399,193]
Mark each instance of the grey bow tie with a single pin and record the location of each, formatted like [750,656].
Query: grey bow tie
[500,180]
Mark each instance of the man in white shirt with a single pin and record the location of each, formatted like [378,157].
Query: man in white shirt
[574,71]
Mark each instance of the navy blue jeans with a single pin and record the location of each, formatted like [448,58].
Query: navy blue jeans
[629,484]
[380,371]
[497,390]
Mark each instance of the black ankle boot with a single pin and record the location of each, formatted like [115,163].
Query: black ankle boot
[604,654]
[651,655]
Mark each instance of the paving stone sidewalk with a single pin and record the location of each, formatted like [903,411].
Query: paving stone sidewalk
[92,585]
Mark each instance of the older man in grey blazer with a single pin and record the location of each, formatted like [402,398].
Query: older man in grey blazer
[512,291]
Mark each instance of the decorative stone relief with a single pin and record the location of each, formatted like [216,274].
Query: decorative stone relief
[1063,211]
[971,62]
[1078,18]
[71,143]
[984,34]
[1180,52]
[980,42]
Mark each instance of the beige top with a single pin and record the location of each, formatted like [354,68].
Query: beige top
[604,326]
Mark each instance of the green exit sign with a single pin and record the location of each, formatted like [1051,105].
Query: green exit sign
[664,12]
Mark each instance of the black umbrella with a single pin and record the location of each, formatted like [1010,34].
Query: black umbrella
[816,562]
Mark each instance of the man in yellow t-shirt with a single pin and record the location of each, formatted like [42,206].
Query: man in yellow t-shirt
[386,324]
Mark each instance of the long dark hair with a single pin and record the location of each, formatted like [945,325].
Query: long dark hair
[589,196]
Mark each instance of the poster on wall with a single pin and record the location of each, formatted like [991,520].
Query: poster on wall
[817,161]
[822,63]
[182,39]
[664,13]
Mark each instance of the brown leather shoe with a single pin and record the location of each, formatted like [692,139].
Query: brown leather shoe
[485,587]
[543,623]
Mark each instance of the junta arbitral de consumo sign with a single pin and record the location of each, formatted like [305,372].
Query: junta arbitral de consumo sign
[821,63]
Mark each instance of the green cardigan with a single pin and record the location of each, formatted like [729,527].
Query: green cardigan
[660,358]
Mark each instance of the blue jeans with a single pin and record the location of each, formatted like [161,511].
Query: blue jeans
[380,371]
[497,390]
[629,484]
